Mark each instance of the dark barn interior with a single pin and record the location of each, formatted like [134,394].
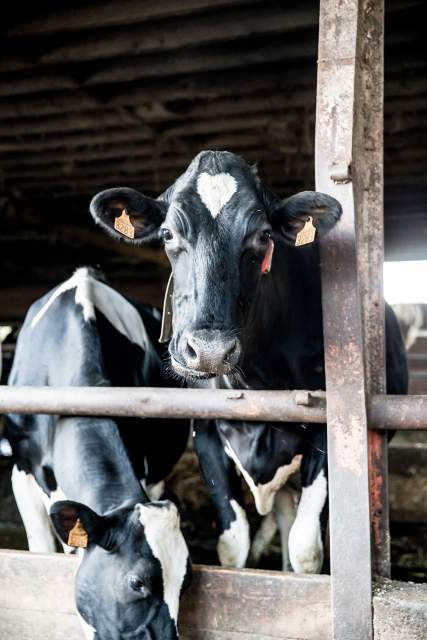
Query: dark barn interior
[103,94]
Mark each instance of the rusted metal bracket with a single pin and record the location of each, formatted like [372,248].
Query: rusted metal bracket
[340,172]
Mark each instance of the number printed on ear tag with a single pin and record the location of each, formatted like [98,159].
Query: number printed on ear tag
[307,233]
[123,225]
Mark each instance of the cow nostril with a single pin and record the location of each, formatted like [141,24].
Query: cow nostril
[230,351]
[190,351]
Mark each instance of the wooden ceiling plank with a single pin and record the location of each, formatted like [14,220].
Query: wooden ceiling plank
[110,13]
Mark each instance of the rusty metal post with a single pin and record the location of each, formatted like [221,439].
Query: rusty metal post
[337,143]
[368,181]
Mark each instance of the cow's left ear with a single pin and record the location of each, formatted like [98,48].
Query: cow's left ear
[76,524]
[291,216]
[127,214]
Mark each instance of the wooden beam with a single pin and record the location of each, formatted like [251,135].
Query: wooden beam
[124,118]
[202,86]
[230,24]
[75,122]
[159,65]
[110,14]
[146,113]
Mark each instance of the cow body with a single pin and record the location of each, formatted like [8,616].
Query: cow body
[247,313]
[85,333]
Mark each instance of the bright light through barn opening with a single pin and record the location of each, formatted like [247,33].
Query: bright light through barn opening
[405,282]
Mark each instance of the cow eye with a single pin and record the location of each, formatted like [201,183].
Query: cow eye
[137,585]
[265,235]
[166,234]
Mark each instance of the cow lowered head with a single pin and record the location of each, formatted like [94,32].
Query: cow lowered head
[134,566]
[220,225]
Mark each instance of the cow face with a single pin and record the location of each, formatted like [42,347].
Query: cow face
[219,224]
[132,572]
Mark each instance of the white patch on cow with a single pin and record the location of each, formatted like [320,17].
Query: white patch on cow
[5,448]
[91,293]
[164,536]
[215,191]
[305,540]
[264,493]
[80,281]
[233,543]
[30,500]
[84,294]
[155,491]
[88,630]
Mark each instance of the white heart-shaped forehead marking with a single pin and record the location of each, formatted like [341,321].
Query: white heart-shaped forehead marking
[215,191]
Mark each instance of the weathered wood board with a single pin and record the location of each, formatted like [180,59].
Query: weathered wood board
[36,603]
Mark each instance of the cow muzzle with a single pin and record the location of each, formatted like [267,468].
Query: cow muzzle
[207,353]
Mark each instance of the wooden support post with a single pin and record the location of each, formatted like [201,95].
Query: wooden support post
[341,109]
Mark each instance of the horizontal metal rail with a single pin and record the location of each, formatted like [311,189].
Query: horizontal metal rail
[385,412]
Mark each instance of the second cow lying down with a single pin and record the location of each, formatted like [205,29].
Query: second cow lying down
[88,470]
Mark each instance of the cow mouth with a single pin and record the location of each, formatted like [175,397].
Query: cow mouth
[187,372]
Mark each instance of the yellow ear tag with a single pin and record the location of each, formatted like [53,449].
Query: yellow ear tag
[123,225]
[77,536]
[307,233]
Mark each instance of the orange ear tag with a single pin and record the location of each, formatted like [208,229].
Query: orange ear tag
[123,225]
[266,263]
[307,233]
[77,536]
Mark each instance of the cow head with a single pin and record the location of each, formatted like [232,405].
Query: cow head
[218,223]
[133,569]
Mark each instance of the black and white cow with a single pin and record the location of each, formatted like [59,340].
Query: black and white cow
[247,313]
[90,469]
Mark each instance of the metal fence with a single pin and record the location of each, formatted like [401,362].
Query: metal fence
[349,161]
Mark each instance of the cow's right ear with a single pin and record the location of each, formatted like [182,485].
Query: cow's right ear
[127,214]
[77,525]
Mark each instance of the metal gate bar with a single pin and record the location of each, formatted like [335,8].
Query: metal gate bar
[368,158]
[339,139]
[385,412]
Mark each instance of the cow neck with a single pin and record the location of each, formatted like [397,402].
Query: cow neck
[104,481]
[282,326]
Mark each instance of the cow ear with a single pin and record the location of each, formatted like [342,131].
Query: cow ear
[290,216]
[77,525]
[127,214]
